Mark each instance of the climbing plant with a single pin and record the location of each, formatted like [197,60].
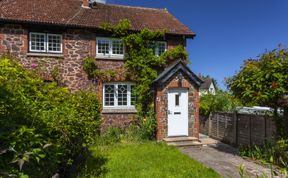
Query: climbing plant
[142,66]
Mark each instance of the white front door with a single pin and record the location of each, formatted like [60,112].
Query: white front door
[178,112]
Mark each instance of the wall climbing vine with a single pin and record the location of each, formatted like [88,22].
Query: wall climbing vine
[141,65]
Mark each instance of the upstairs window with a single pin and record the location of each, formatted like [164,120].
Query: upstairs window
[109,48]
[158,47]
[45,42]
[118,95]
[161,47]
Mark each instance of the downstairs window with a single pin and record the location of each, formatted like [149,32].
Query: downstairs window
[118,95]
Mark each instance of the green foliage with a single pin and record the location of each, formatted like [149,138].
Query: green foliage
[44,128]
[93,71]
[262,81]
[179,52]
[221,101]
[150,159]
[119,30]
[90,67]
[244,174]
[268,153]
[142,64]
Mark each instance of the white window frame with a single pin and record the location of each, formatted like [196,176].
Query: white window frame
[61,43]
[129,93]
[30,42]
[157,47]
[110,54]
[46,50]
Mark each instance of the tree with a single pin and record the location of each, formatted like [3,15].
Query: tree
[221,101]
[264,82]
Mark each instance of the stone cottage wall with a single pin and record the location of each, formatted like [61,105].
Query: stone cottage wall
[77,44]
[162,107]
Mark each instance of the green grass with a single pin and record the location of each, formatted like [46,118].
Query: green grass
[137,160]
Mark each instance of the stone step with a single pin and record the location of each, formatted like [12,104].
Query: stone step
[180,139]
[185,143]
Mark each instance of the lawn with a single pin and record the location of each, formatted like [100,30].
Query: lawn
[150,160]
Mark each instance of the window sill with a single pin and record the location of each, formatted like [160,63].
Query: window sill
[114,57]
[45,55]
[119,111]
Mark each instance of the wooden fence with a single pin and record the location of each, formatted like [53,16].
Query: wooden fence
[238,129]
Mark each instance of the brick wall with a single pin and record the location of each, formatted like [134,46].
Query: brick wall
[162,106]
[77,44]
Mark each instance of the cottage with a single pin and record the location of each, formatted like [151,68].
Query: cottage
[208,87]
[59,34]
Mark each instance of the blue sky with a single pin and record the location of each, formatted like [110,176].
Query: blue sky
[228,31]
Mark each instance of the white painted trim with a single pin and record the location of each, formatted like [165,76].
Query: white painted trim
[110,55]
[61,43]
[129,106]
[157,47]
[30,42]
[46,43]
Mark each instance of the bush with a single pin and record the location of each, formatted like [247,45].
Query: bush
[222,101]
[269,153]
[44,129]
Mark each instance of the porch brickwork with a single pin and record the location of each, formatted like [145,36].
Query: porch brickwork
[162,106]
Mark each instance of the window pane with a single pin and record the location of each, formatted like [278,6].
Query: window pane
[103,46]
[117,47]
[177,96]
[109,93]
[161,48]
[54,43]
[152,46]
[37,42]
[133,97]
[122,95]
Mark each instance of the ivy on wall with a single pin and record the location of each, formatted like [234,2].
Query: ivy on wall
[141,66]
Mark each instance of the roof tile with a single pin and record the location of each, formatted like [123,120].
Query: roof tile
[71,13]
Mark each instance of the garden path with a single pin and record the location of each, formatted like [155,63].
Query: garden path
[224,159]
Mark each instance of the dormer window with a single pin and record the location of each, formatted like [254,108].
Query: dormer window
[45,42]
[109,48]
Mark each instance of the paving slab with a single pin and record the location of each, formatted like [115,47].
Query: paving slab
[223,158]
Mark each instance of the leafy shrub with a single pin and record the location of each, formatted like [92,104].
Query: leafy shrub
[44,128]
[222,101]
[269,153]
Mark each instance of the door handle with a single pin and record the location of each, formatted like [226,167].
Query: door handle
[177,113]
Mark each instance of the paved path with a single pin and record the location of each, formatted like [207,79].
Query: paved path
[223,158]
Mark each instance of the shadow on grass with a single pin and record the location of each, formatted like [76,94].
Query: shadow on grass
[93,165]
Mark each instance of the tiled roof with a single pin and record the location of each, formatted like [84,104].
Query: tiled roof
[174,68]
[71,13]
[206,84]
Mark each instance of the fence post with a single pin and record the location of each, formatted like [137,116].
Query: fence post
[250,131]
[217,126]
[235,128]
[209,124]
[265,131]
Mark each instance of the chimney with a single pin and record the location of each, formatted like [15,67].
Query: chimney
[85,3]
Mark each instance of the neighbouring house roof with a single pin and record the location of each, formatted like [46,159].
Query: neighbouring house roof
[71,13]
[175,68]
[206,84]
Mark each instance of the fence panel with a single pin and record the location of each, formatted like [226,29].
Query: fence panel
[239,129]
